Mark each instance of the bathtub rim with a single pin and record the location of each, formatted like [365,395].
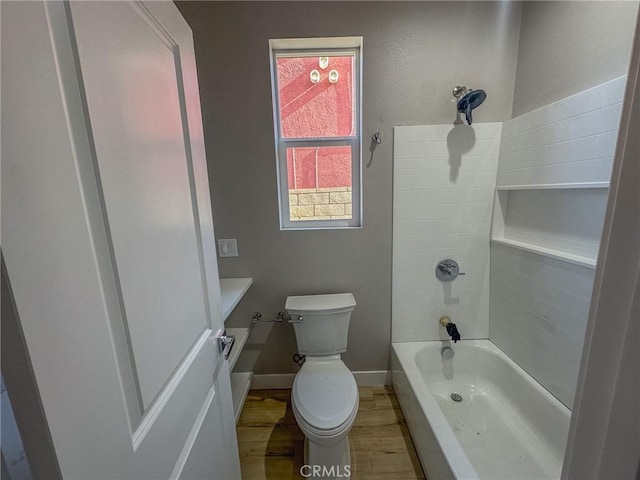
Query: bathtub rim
[451,449]
[453,452]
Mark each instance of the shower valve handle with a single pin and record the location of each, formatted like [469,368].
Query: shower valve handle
[448,270]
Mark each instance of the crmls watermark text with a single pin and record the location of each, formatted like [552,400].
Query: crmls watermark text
[322,471]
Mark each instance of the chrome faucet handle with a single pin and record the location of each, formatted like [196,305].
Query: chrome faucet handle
[444,267]
[448,270]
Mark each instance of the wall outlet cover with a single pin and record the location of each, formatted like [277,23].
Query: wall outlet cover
[227,247]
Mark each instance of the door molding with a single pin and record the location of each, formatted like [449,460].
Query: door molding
[160,402]
[21,386]
[57,247]
[604,441]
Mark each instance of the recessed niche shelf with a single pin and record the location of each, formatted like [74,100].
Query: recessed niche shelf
[548,252]
[561,221]
[554,186]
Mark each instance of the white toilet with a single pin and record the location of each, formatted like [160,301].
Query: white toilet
[324,397]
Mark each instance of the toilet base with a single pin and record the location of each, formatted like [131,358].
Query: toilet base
[329,462]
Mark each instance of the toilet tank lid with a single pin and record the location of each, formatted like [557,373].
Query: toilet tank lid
[320,303]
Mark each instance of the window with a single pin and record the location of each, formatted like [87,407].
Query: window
[316,86]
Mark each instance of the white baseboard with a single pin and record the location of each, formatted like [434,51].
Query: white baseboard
[269,381]
[372,378]
[285,380]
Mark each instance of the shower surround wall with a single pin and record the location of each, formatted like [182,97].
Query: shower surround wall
[540,305]
[532,306]
[444,180]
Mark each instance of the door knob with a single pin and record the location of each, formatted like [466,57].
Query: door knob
[225,344]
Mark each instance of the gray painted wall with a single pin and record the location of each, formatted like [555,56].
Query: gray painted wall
[414,53]
[567,47]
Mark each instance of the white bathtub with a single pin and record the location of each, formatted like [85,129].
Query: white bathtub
[507,426]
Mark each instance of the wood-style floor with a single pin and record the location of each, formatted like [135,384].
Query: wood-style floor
[272,446]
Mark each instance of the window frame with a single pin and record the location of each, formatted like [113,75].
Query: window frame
[299,47]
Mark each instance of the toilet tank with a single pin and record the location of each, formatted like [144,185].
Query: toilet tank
[324,325]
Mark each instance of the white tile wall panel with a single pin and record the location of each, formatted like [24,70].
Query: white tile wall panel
[485,131]
[589,148]
[574,279]
[412,297]
[432,133]
[421,319]
[535,302]
[538,315]
[441,164]
[424,255]
[585,171]
[451,226]
[438,240]
[429,212]
[443,196]
[614,91]
[444,179]
[569,141]
[584,102]
[600,121]
[550,355]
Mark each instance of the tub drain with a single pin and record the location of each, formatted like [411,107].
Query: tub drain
[456,397]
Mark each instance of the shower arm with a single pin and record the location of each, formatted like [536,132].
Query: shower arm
[460,91]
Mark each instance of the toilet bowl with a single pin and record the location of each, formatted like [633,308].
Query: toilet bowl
[324,397]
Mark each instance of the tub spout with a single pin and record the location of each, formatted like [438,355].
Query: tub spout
[452,330]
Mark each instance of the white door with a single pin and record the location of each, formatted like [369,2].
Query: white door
[108,239]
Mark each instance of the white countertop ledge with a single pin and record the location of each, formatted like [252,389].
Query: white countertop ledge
[231,291]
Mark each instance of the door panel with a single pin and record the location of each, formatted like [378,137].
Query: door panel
[108,239]
[132,91]
[208,453]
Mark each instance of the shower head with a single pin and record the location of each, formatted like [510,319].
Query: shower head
[470,101]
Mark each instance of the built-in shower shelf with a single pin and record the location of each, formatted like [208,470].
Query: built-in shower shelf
[549,186]
[560,221]
[547,252]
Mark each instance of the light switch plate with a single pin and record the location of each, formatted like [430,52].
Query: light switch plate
[227,247]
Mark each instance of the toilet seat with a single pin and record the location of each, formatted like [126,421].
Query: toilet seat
[324,436]
[325,396]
